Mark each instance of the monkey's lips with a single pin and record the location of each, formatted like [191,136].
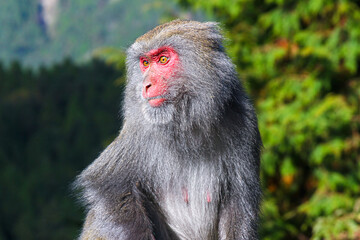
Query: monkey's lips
[156,101]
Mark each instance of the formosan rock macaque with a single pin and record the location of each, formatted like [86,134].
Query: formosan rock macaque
[186,162]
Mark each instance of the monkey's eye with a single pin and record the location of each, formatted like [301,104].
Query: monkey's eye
[163,59]
[145,63]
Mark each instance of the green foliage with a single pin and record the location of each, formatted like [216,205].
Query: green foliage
[53,123]
[301,62]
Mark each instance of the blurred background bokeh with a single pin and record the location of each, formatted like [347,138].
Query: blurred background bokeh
[61,83]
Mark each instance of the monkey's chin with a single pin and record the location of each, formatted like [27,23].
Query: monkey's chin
[159,115]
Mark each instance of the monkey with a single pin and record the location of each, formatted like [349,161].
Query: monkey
[186,162]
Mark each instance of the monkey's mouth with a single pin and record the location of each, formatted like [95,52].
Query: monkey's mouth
[156,101]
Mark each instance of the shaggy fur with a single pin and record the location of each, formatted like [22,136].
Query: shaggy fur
[188,169]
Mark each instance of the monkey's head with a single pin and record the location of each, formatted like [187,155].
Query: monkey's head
[178,73]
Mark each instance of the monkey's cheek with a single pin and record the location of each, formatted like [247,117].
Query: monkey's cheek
[157,102]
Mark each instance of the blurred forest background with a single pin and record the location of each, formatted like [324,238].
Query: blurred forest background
[60,105]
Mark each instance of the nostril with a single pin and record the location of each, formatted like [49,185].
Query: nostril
[147,86]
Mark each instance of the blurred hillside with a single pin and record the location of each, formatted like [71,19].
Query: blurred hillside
[45,31]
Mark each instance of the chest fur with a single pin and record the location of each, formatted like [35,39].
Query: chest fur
[190,203]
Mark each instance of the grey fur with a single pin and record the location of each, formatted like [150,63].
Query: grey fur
[188,169]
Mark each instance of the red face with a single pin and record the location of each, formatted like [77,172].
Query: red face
[157,65]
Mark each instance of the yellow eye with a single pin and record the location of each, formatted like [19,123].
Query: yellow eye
[163,59]
[145,63]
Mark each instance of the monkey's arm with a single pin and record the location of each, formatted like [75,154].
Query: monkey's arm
[239,210]
[89,231]
[127,218]
[235,224]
